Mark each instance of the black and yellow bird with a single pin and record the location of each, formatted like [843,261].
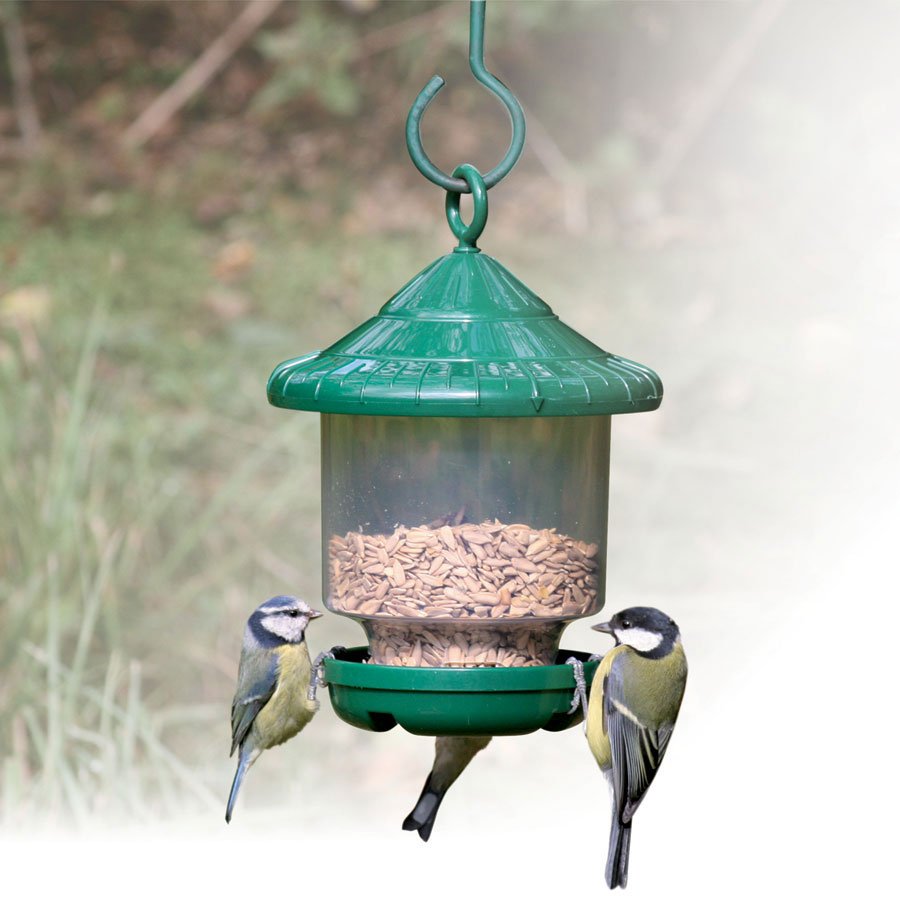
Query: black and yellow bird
[270,704]
[451,756]
[635,697]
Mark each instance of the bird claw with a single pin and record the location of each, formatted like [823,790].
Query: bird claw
[579,699]
[317,677]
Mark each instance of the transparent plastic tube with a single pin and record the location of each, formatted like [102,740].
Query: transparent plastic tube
[450,538]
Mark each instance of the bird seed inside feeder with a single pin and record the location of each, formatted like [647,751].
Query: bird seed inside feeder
[473,574]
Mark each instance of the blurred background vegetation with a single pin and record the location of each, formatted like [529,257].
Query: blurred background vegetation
[700,189]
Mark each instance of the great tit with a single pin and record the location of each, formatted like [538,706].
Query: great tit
[635,697]
[451,756]
[270,704]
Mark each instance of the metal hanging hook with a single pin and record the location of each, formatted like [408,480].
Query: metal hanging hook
[495,86]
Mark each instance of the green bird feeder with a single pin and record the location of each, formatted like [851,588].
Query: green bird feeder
[465,481]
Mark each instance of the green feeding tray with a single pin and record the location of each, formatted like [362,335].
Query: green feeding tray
[451,701]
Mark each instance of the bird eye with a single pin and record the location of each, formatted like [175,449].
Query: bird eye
[293,613]
[626,623]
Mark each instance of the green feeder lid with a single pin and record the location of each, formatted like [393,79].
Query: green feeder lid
[465,337]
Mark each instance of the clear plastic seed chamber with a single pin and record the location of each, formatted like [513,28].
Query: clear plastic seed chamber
[464,541]
[439,543]
[465,480]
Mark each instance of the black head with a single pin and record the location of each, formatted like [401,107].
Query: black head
[643,628]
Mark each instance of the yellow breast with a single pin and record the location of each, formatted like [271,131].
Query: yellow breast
[651,694]
[288,711]
[598,739]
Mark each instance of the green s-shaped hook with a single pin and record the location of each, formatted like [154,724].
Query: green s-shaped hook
[495,86]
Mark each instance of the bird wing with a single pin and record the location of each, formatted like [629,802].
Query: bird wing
[636,749]
[257,679]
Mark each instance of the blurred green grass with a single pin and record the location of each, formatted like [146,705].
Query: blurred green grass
[150,496]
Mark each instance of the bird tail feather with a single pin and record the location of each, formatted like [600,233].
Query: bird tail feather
[245,760]
[619,848]
[425,811]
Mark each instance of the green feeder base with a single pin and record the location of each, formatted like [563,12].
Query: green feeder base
[433,701]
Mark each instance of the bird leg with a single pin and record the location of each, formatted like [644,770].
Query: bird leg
[317,677]
[579,699]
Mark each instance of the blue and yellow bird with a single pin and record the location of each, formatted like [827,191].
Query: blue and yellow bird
[635,697]
[270,705]
[451,756]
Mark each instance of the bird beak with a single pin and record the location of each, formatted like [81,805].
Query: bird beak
[605,627]
[315,614]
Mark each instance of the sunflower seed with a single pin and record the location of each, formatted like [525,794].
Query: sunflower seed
[459,572]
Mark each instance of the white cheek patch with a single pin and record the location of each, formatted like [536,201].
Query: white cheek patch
[642,640]
[288,629]
[273,624]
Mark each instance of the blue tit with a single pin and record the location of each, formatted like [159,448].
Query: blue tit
[635,697]
[451,756]
[270,705]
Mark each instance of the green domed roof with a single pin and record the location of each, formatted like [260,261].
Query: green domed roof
[465,337]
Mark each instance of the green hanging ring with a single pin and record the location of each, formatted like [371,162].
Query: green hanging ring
[468,234]
[495,86]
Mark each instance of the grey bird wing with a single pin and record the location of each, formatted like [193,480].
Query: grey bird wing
[257,679]
[636,750]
